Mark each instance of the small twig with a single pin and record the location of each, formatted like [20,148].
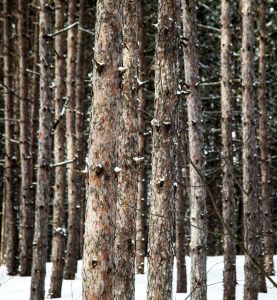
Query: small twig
[62,163]
[63,30]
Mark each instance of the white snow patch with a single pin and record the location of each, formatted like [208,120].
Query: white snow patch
[15,287]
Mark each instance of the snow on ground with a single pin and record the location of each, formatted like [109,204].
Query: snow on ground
[17,288]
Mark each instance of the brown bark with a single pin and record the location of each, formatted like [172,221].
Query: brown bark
[228,200]
[26,200]
[198,218]
[58,240]
[9,223]
[140,220]
[73,226]
[102,180]
[250,201]
[80,119]
[124,273]
[40,242]
[181,197]
[267,220]
[163,167]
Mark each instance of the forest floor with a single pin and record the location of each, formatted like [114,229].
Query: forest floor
[17,288]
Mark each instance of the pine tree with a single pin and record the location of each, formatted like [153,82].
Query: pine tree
[163,168]
[73,226]
[263,143]
[58,240]
[102,179]
[228,200]
[26,199]
[40,242]
[250,201]
[198,218]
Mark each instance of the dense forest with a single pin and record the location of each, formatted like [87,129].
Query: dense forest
[135,133]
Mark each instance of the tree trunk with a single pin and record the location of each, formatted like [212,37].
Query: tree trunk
[198,218]
[162,215]
[79,122]
[228,200]
[44,156]
[141,205]
[102,179]
[267,219]
[58,240]
[10,233]
[181,197]
[27,202]
[73,227]
[124,274]
[250,201]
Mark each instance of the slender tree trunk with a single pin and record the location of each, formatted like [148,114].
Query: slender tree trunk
[102,179]
[124,274]
[163,167]
[80,119]
[267,220]
[198,218]
[44,156]
[73,201]
[181,197]
[228,200]
[250,201]
[10,217]
[27,201]
[58,241]
[181,176]
[140,234]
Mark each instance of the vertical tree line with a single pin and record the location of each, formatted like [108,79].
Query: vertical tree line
[144,136]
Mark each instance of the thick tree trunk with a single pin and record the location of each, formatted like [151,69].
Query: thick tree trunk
[44,156]
[124,273]
[73,226]
[79,123]
[102,179]
[266,207]
[10,232]
[27,201]
[163,167]
[198,218]
[228,200]
[58,240]
[250,201]
[141,205]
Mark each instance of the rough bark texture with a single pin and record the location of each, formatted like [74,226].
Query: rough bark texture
[124,273]
[140,234]
[40,242]
[267,220]
[198,218]
[162,216]
[58,240]
[79,121]
[73,227]
[10,216]
[250,202]
[102,180]
[26,229]
[181,175]
[228,200]
[181,197]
